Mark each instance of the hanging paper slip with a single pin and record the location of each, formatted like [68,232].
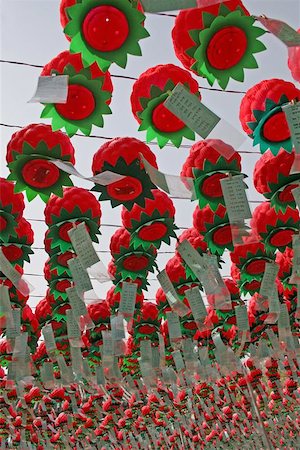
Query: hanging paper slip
[295,276]
[174,327]
[86,253]
[181,187]
[296,195]
[74,335]
[235,197]
[49,339]
[5,306]
[268,284]
[198,308]
[14,276]
[128,299]
[281,30]
[292,114]
[51,89]
[153,6]
[104,178]
[188,108]
[79,309]
[80,276]
[179,307]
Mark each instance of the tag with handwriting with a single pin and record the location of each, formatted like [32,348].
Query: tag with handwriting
[5,305]
[174,326]
[242,318]
[74,334]
[187,107]
[83,245]
[268,284]
[80,276]
[234,192]
[128,299]
[13,329]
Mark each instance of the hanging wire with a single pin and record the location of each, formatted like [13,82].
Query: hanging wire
[21,63]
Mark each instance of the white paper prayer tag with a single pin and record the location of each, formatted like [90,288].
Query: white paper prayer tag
[242,318]
[292,114]
[83,245]
[117,327]
[296,195]
[80,276]
[178,360]
[234,192]
[5,305]
[268,284]
[281,30]
[146,350]
[197,305]
[171,184]
[128,299]
[295,276]
[153,6]
[104,178]
[174,326]
[74,334]
[188,108]
[49,339]
[274,307]
[171,294]
[13,329]
[51,89]
[14,276]
[284,319]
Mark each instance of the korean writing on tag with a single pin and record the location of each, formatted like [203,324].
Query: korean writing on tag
[281,30]
[284,319]
[146,350]
[295,276]
[191,111]
[268,284]
[196,303]
[51,89]
[128,299]
[117,327]
[235,197]
[80,276]
[78,305]
[83,245]
[13,329]
[242,318]
[292,114]
[174,326]
[72,326]
[47,332]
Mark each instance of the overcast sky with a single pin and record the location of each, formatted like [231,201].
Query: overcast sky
[31,32]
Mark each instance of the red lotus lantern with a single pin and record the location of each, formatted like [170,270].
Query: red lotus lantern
[131,263]
[276,229]
[141,283]
[89,94]
[30,324]
[17,250]
[122,156]
[147,323]
[215,228]
[104,32]
[61,214]
[100,315]
[262,117]
[251,258]
[218,41]
[272,178]
[246,286]
[208,164]
[11,208]
[148,95]
[43,311]
[16,297]
[153,224]
[176,271]
[162,303]
[28,154]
